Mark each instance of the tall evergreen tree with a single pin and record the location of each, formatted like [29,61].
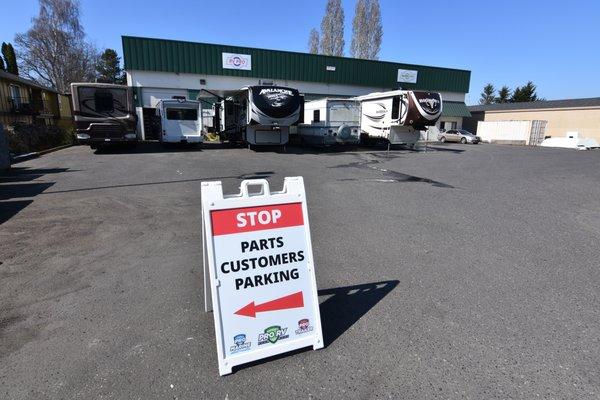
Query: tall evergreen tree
[332,29]
[503,95]
[109,68]
[2,65]
[313,41]
[10,59]
[487,96]
[525,93]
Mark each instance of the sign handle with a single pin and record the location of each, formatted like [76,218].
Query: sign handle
[264,187]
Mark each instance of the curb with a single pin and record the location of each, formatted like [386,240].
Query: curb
[41,153]
[36,154]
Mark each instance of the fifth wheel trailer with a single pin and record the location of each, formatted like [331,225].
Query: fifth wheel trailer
[399,116]
[259,115]
[331,121]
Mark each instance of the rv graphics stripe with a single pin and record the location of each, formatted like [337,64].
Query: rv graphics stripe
[382,111]
[257,115]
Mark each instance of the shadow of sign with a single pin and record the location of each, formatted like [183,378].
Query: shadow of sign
[348,304]
[344,306]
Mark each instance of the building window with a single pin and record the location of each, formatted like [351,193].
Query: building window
[182,114]
[447,125]
[316,115]
[15,95]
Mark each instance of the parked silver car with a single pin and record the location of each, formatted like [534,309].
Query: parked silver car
[458,135]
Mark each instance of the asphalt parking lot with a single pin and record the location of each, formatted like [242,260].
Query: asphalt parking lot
[463,272]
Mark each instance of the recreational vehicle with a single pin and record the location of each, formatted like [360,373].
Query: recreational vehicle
[208,117]
[331,121]
[259,115]
[103,114]
[398,116]
[180,120]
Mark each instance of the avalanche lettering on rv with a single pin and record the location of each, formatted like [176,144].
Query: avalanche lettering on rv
[276,90]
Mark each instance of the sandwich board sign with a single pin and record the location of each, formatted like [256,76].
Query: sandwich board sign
[259,271]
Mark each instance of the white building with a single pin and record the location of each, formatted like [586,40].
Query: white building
[159,69]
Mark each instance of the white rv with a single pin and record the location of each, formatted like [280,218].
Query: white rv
[331,121]
[208,116]
[398,116]
[181,121]
[259,115]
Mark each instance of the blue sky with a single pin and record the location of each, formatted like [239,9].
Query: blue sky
[554,44]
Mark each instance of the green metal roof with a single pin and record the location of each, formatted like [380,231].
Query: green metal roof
[455,109]
[148,54]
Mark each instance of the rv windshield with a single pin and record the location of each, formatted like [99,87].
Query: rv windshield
[182,114]
[344,112]
[111,102]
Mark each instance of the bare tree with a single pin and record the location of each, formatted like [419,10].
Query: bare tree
[332,29]
[375,30]
[313,41]
[367,31]
[360,31]
[54,51]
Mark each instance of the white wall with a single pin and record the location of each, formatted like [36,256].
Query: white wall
[509,131]
[216,83]
[160,85]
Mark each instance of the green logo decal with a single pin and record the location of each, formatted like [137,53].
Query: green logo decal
[272,334]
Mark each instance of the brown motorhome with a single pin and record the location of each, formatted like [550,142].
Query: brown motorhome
[104,114]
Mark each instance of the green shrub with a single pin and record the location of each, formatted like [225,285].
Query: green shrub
[27,138]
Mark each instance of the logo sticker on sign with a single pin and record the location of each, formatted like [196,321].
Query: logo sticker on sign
[259,271]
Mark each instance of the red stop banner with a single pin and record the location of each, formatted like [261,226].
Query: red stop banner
[249,219]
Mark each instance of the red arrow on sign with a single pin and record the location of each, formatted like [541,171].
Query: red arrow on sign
[295,300]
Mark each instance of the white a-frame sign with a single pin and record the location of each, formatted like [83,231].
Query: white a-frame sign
[259,271]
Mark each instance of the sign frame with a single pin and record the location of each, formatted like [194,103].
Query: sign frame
[213,200]
[245,61]
[407,75]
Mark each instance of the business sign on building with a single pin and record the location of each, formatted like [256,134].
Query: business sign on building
[237,61]
[407,76]
[259,271]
